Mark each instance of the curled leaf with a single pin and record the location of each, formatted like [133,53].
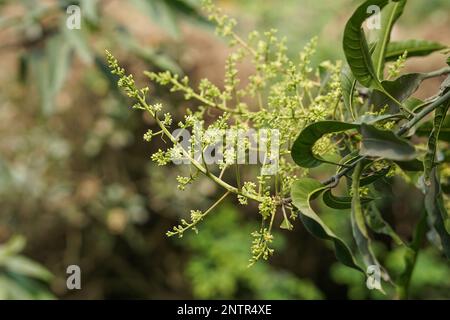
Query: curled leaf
[303,190]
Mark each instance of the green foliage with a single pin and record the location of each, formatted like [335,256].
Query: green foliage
[352,113]
[415,48]
[383,138]
[20,277]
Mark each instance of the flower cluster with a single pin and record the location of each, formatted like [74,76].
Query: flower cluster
[283,94]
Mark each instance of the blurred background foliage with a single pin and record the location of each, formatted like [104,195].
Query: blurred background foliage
[76,186]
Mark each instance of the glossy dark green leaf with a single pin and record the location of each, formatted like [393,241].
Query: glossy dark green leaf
[378,143]
[340,203]
[437,214]
[413,165]
[401,89]
[389,15]
[415,48]
[355,46]
[302,149]
[303,190]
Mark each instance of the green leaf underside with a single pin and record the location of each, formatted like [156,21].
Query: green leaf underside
[378,143]
[356,48]
[302,191]
[415,48]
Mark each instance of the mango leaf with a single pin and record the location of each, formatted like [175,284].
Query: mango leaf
[165,12]
[302,149]
[437,214]
[302,191]
[389,15]
[374,177]
[413,165]
[90,10]
[430,157]
[359,228]
[341,203]
[385,144]
[401,89]
[348,85]
[355,46]
[78,40]
[159,13]
[51,68]
[415,48]
[377,224]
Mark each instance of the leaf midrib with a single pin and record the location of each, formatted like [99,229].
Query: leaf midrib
[384,43]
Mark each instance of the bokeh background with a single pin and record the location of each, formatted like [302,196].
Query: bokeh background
[77,185]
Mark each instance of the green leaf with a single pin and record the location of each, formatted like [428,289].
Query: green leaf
[51,68]
[377,224]
[159,60]
[430,157]
[348,85]
[359,228]
[437,214]
[303,190]
[389,16]
[385,144]
[27,267]
[444,134]
[341,203]
[415,48]
[79,42]
[159,13]
[90,10]
[302,149]
[374,177]
[165,12]
[355,46]
[401,89]
[413,165]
